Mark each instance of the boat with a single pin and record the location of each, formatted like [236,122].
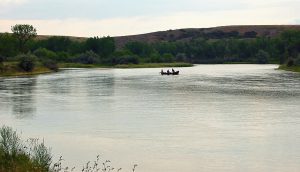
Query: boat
[169,73]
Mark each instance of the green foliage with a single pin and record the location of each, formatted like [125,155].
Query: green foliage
[126,59]
[43,53]
[88,57]
[168,57]
[181,57]
[297,60]
[63,56]
[27,62]
[57,43]
[9,141]
[50,64]
[192,47]
[23,33]
[1,63]
[102,46]
[139,48]
[2,58]
[262,57]
[8,45]
[290,62]
[16,155]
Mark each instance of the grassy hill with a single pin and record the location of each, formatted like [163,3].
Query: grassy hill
[192,33]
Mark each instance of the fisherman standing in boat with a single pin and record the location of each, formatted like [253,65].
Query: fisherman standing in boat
[168,72]
[173,70]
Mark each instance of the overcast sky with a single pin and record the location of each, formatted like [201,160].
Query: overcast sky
[125,17]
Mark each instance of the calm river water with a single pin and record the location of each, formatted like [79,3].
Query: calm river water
[211,118]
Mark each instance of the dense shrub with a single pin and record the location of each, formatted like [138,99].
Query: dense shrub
[102,46]
[2,58]
[27,62]
[43,53]
[297,61]
[262,57]
[88,57]
[16,155]
[180,57]
[8,45]
[128,59]
[63,56]
[290,62]
[50,64]
[168,57]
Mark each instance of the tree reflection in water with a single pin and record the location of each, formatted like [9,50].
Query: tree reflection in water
[20,94]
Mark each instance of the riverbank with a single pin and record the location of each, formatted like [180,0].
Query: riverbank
[154,65]
[11,69]
[292,68]
[142,65]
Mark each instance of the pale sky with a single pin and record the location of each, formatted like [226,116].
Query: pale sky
[126,17]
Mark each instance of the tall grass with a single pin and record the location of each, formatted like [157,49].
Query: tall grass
[32,156]
[19,156]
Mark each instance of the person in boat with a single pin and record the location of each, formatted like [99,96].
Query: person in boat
[173,70]
[162,71]
[168,72]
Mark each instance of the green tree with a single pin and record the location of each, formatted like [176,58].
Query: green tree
[8,45]
[27,62]
[103,46]
[43,53]
[262,57]
[1,63]
[88,57]
[23,33]
[139,48]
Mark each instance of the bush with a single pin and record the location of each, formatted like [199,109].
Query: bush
[15,155]
[88,57]
[2,58]
[1,63]
[290,62]
[180,57]
[43,53]
[167,57]
[297,61]
[63,56]
[50,64]
[128,59]
[262,57]
[27,62]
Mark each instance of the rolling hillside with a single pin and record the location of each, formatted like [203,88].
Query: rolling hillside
[245,31]
[212,33]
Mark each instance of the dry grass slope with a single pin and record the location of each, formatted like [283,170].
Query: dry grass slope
[189,33]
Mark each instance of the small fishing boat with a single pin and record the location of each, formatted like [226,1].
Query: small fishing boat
[169,73]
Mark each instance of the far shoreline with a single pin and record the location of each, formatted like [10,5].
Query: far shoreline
[44,70]
[63,66]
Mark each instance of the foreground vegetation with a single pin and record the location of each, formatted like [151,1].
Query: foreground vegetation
[54,52]
[292,68]
[17,155]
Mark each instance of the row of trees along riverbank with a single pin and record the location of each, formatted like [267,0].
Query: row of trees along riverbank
[20,52]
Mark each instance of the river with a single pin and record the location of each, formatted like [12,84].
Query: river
[210,118]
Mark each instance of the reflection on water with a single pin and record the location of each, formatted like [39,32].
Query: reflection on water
[210,118]
[19,94]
